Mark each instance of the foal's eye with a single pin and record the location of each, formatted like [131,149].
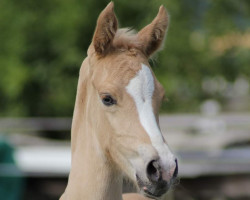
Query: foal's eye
[107,100]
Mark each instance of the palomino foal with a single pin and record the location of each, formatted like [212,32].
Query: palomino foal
[115,129]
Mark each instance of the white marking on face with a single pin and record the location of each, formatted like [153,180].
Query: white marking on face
[141,88]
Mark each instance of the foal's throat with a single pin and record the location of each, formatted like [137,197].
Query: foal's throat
[92,177]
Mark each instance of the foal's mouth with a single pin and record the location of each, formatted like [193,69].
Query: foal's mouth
[153,190]
[156,195]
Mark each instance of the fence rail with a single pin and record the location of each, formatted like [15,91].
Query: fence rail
[178,121]
[205,145]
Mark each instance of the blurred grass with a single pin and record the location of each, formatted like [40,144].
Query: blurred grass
[44,42]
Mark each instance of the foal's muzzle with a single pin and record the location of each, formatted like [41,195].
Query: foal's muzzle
[159,179]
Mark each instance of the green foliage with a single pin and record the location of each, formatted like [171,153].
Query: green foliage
[44,42]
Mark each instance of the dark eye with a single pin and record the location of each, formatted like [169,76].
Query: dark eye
[107,100]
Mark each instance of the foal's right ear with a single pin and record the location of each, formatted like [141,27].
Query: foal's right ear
[105,30]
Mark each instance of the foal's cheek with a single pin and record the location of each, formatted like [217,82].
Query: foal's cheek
[113,118]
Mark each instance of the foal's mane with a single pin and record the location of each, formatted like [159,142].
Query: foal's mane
[126,39]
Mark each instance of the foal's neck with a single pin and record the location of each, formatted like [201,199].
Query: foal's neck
[92,176]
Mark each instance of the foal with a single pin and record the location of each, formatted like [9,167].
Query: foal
[115,128]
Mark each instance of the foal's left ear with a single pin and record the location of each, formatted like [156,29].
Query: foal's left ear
[151,37]
[105,30]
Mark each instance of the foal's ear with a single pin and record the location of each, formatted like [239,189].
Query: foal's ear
[105,30]
[152,36]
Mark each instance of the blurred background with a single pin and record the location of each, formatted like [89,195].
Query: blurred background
[204,67]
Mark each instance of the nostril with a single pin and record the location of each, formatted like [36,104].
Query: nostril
[176,169]
[153,172]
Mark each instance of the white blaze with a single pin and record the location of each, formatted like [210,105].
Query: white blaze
[141,88]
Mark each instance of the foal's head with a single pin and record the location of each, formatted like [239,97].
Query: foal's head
[126,98]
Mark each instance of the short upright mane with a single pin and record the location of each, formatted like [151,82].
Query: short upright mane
[126,39]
